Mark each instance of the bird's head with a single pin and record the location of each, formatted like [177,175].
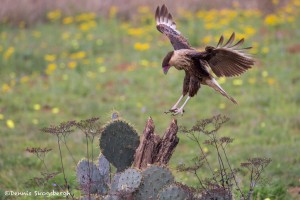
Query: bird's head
[166,62]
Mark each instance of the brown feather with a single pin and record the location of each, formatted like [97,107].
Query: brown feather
[166,25]
[227,60]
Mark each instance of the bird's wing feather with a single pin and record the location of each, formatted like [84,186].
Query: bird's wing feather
[228,60]
[166,25]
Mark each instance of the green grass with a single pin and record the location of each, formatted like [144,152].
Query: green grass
[265,123]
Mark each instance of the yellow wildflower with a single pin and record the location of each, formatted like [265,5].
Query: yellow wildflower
[35,121]
[272,20]
[36,106]
[36,34]
[143,9]
[264,74]
[141,46]
[296,2]
[85,17]
[85,26]
[68,20]
[72,64]
[237,82]
[85,62]
[102,69]
[10,123]
[144,63]
[8,53]
[50,68]
[65,77]
[221,80]
[252,81]
[222,106]
[265,50]
[240,36]
[24,79]
[55,110]
[135,31]
[50,57]
[90,37]
[99,60]
[271,81]
[91,74]
[113,11]
[224,22]
[254,48]
[6,88]
[249,31]
[207,39]
[205,149]
[54,15]
[139,105]
[290,19]
[65,35]
[209,25]
[78,55]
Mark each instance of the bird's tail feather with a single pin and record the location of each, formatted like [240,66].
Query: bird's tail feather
[215,85]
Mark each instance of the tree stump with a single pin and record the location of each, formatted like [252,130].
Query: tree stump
[153,149]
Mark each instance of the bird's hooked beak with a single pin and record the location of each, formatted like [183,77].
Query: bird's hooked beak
[166,69]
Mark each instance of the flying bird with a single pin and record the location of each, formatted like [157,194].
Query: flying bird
[223,60]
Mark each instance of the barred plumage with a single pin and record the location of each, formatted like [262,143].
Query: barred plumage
[224,60]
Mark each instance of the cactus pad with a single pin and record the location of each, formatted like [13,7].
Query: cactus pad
[217,194]
[115,183]
[154,179]
[112,197]
[104,169]
[88,198]
[174,192]
[118,143]
[130,180]
[89,178]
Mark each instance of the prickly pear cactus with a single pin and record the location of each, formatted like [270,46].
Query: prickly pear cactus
[112,197]
[104,169]
[217,194]
[174,192]
[118,143]
[154,179]
[89,178]
[115,183]
[129,180]
[88,198]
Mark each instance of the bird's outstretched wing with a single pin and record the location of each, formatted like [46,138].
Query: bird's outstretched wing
[166,25]
[228,60]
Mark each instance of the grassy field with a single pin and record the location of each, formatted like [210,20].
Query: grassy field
[77,67]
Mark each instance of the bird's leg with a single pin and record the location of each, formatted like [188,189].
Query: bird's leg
[174,108]
[180,110]
[176,104]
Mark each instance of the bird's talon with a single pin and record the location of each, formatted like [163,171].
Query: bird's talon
[172,110]
[178,111]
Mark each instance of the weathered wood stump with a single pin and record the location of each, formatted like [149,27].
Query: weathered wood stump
[153,148]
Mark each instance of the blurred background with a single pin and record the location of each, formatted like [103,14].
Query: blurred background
[73,60]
